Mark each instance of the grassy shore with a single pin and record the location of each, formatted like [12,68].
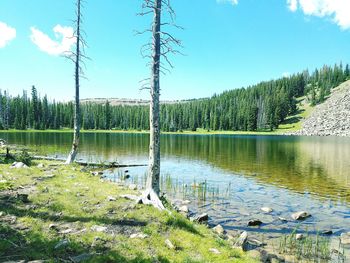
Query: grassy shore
[74,216]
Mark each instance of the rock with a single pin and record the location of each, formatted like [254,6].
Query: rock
[99,228]
[183,209]
[40,165]
[299,236]
[23,198]
[111,198]
[267,210]
[66,231]
[327,232]
[139,235]
[242,240]
[345,238]
[62,243]
[2,213]
[18,165]
[53,227]
[284,220]
[133,187]
[214,251]
[330,118]
[169,244]
[96,173]
[255,242]
[185,202]
[201,218]
[300,215]
[81,258]
[255,222]
[219,230]
[131,197]
[126,176]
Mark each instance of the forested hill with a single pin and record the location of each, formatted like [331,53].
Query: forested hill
[256,108]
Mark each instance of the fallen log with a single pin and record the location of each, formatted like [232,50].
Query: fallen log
[103,165]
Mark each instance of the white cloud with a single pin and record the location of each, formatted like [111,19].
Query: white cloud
[7,34]
[337,10]
[63,42]
[292,5]
[233,2]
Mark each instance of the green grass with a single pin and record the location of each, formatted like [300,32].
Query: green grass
[74,199]
[294,123]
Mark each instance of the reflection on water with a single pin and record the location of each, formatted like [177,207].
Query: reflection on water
[316,165]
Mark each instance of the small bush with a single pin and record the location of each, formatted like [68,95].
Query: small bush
[24,157]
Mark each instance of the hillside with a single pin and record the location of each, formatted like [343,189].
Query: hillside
[331,118]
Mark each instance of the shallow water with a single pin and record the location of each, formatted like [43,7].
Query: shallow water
[242,174]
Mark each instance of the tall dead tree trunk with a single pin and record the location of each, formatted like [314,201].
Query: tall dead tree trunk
[154,147]
[160,46]
[72,155]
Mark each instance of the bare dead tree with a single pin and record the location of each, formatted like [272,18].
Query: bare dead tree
[77,58]
[161,45]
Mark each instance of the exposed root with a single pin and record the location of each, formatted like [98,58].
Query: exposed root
[149,197]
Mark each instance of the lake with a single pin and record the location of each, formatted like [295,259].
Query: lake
[231,177]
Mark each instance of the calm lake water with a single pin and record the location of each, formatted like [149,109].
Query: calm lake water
[232,177]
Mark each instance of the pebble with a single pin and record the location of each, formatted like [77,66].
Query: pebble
[214,251]
[99,228]
[169,244]
[139,235]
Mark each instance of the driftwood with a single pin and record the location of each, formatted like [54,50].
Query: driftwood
[104,165]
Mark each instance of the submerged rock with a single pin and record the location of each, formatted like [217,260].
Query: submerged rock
[255,222]
[301,215]
[267,210]
[185,202]
[284,220]
[327,232]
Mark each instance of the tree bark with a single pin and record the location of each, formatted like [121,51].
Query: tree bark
[72,155]
[154,147]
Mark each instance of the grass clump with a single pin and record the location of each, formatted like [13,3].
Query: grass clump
[315,248]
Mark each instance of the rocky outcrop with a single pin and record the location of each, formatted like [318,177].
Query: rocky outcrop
[331,118]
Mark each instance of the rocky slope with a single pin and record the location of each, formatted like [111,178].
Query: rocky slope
[331,118]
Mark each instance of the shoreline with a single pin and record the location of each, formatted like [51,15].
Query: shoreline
[199,132]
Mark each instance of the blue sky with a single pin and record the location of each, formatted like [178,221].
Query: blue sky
[228,44]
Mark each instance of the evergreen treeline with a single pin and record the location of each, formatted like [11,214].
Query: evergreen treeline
[259,107]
